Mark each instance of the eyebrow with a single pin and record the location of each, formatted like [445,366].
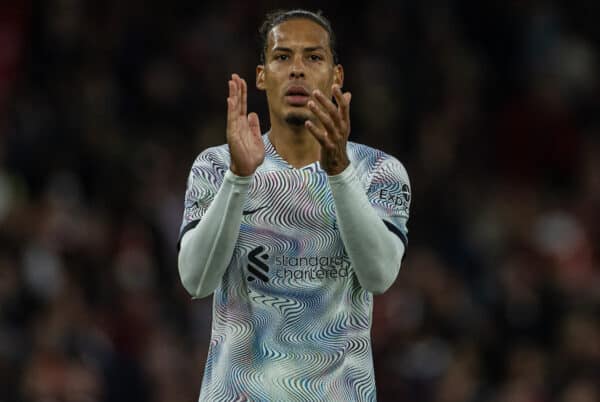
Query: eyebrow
[306,49]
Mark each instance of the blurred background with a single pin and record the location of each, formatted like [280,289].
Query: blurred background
[493,107]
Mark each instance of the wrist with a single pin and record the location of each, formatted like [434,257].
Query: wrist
[240,172]
[337,168]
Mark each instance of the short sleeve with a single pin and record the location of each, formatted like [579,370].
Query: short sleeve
[389,193]
[204,180]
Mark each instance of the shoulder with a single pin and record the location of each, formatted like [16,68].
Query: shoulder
[359,152]
[217,156]
[374,161]
[210,166]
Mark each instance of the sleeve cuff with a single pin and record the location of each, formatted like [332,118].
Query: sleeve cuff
[343,177]
[234,179]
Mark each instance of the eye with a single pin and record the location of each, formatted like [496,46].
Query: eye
[315,57]
[281,57]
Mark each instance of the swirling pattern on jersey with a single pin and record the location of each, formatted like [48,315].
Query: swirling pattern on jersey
[290,319]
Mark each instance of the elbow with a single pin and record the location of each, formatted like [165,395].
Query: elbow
[385,270]
[187,280]
[380,283]
[379,286]
[190,281]
[201,292]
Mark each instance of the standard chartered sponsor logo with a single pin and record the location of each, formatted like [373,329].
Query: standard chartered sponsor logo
[311,268]
[256,267]
[296,268]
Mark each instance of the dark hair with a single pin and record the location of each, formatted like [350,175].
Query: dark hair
[277,17]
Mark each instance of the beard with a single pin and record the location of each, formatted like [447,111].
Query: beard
[296,119]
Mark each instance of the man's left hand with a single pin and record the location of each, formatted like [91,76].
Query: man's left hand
[333,130]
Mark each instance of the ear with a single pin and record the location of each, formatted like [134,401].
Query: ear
[338,75]
[260,77]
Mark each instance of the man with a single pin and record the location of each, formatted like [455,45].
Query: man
[293,231]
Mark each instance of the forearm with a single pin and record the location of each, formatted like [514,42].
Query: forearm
[206,250]
[375,252]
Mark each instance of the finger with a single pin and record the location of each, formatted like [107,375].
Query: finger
[231,116]
[244,110]
[343,101]
[233,90]
[231,107]
[231,85]
[346,112]
[329,107]
[254,124]
[341,105]
[238,92]
[319,134]
[337,94]
[347,99]
[323,117]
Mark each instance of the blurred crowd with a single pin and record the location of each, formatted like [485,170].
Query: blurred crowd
[493,107]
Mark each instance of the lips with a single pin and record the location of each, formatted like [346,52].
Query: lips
[297,95]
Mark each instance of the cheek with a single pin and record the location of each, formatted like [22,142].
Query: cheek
[327,77]
[274,79]
[325,84]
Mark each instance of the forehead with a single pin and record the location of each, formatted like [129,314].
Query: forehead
[298,32]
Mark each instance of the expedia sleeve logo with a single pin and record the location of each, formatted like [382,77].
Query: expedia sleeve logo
[395,198]
[398,197]
[389,188]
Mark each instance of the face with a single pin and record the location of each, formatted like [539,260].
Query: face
[298,60]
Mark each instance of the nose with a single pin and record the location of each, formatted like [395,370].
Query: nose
[297,68]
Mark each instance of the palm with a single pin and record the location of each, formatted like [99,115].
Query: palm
[243,131]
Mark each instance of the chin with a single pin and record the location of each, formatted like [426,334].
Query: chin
[296,119]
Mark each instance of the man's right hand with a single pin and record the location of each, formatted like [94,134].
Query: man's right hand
[243,131]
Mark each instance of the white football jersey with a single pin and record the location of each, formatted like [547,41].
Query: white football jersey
[290,320]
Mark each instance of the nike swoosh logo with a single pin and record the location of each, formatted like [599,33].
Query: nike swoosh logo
[251,211]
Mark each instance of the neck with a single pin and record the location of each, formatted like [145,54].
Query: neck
[295,144]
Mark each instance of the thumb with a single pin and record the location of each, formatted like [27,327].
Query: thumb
[254,124]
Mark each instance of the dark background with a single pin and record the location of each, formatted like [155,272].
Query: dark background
[492,106]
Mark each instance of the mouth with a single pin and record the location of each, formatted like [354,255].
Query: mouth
[297,96]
